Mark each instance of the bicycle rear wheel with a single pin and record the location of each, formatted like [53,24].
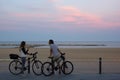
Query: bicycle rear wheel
[47,69]
[15,67]
[67,67]
[36,67]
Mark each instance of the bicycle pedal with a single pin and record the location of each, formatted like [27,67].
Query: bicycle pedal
[22,72]
[53,72]
[25,68]
[59,72]
[56,68]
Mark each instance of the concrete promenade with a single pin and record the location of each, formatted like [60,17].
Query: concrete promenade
[9,76]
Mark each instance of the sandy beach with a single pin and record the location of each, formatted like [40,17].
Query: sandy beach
[71,53]
[85,61]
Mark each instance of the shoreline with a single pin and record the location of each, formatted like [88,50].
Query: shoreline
[71,53]
[64,44]
[40,45]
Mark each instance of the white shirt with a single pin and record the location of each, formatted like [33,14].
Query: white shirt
[22,54]
[54,50]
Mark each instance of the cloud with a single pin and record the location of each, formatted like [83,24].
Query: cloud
[110,21]
[70,14]
[65,14]
[77,14]
[53,0]
[28,15]
[68,9]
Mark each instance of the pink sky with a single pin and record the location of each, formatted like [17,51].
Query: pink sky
[71,14]
[62,15]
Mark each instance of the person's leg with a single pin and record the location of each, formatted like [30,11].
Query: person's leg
[23,63]
[58,67]
[57,61]
[63,58]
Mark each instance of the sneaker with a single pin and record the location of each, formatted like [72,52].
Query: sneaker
[25,68]
[22,72]
[56,68]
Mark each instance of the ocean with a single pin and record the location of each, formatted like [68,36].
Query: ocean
[63,44]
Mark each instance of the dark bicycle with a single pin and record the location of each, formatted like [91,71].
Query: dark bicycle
[15,66]
[66,67]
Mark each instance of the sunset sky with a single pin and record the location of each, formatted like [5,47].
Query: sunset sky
[61,20]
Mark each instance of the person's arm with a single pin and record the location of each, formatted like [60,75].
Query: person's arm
[59,51]
[25,51]
[50,52]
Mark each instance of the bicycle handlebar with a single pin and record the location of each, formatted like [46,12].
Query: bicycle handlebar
[52,56]
[62,53]
[33,53]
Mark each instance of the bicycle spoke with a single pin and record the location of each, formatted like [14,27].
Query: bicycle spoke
[36,67]
[47,69]
[15,67]
[67,67]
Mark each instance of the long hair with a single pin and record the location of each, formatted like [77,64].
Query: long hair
[22,45]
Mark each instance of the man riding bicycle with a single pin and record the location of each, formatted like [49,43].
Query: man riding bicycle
[55,52]
[56,56]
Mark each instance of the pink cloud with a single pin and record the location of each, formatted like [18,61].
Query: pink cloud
[53,0]
[70,14]
[28,15]
[111,20]
[66,19]
[69,9]
[74,15]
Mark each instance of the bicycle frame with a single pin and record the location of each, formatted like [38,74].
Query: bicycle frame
[49,67]
[62,57]
[29,61]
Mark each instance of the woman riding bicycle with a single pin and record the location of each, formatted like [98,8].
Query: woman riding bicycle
[23,53]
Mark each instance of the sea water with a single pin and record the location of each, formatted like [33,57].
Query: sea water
[63,44]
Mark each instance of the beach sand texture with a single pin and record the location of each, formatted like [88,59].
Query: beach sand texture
[85,60]
[71,53]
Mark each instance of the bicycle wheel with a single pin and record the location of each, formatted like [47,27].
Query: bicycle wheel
[15,67]
[36,67]
[67,67]
[47,69]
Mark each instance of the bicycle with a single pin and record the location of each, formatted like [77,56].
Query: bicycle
[66,67]
[15,66]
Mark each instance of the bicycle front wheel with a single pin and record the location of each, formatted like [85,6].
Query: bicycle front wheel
[47,69]
[15,67]
[67,67]
[36,67]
